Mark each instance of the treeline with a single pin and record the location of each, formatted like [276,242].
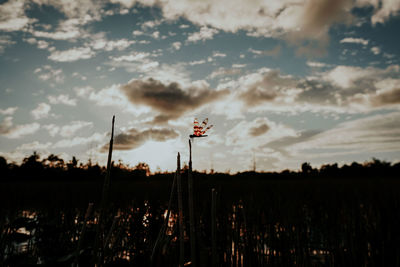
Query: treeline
[54,167]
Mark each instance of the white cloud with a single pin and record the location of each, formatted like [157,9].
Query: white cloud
[48,73]
[136,56]
[71,128]
[205,33]
[345,76]
[137,33]
[218,54]
[197,62]
[155,35]
[110,96]
[376,50]
[354,41]
[224,72]
[62,99]
[125,3]
[383,10]
[376,133]
[177,45]
[239,65]
[68,30]
[72,54]
[151,23]
[34,146]
[342,89]
[274,52]
[5,41]
[81,11]
[100,42]
[248,135]
[41,111]
[8,111]
[80,141]
[52,129]
[67,130]
[12,16]
[315,64]
[13,132]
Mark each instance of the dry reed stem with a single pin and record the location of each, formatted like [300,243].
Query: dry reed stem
[180,207]
[191,210]
[104,199]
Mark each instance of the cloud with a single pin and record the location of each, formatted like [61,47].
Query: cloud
[67,130]
[170,100]
[100,42]
[5,41]
[13,132]
[48,73]
[41,111]
[351,40]
[52,129]
[376,50]
[340,89]
[41,44]
[382,10]
[8,111]
[249,135]
[34,146]
[346,76]
[177,45]
[218,54]
[271,53]
[62,99]
[151,24]
[268,86]
[82,11]
[205,33]
[137,33]
[72,54]
[315,64]
[12,16]
[135,56]
[377,133]
[67,30]
[80,141]
[134,138]
[225,72]
[387,93]
[258,130]
[197,62]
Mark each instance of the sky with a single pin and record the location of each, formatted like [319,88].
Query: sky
[283,82]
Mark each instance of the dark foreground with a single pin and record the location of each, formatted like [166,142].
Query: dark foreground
[295,221]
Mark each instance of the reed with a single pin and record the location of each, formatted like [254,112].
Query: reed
[180,214]
[82,235]
[214,226]
[161,234]
[191,210]
[104,201]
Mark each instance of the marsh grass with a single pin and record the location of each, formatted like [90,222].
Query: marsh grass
[254,220]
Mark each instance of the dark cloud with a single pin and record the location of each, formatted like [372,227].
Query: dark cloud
[282,143]
[290,140]
[171,100]
[321,13]
[134,138]
[387,98]
[259,130]
[268,89]
[317,91]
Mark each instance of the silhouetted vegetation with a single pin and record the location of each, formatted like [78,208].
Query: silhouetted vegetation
[53,167]
[332,216]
